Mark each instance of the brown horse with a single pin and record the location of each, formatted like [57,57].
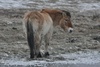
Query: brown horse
[41,23]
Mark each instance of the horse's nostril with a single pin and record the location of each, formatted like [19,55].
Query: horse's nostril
[70,31]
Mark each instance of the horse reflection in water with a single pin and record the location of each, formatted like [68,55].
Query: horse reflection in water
[38,24]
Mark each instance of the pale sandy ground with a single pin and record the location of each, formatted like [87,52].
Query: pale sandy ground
[78,49]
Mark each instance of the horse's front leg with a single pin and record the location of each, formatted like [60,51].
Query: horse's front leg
[38,45]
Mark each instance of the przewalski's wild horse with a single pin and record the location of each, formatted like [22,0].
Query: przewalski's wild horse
[40,23]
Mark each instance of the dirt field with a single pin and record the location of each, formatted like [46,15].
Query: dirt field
[86,35]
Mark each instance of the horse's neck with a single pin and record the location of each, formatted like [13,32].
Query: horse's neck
[55,15]
[56,18]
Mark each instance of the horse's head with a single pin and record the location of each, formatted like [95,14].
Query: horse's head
[65,21]
[60,17]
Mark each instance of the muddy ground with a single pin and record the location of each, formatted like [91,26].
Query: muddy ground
[86,35]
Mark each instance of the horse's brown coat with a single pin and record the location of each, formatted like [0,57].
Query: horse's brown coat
[42,23]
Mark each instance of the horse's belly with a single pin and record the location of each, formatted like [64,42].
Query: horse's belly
[46,27]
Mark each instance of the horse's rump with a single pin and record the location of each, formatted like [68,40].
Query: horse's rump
[37,23]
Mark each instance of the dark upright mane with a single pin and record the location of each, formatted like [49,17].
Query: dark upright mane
[67,13]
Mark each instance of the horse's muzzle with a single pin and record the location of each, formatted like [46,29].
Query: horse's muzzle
[70,30]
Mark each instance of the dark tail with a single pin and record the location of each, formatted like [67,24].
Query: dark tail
[30,38]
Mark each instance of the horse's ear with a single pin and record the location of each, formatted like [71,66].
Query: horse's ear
[63,13]
[66,13]
[43,10]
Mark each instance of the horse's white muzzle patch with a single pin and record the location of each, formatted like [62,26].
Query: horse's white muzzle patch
[70,30]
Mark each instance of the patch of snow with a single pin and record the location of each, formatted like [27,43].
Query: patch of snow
[7,4]
[85,58]
[88,6]
[90,57]
[62,2]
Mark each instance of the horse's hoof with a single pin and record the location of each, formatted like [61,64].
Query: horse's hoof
[39,55]
[46,54]
[31,55]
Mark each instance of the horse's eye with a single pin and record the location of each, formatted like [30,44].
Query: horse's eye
[66,20]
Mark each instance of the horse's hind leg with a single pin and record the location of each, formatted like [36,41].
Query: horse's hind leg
[48,37]
[46,46]
[38,45]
